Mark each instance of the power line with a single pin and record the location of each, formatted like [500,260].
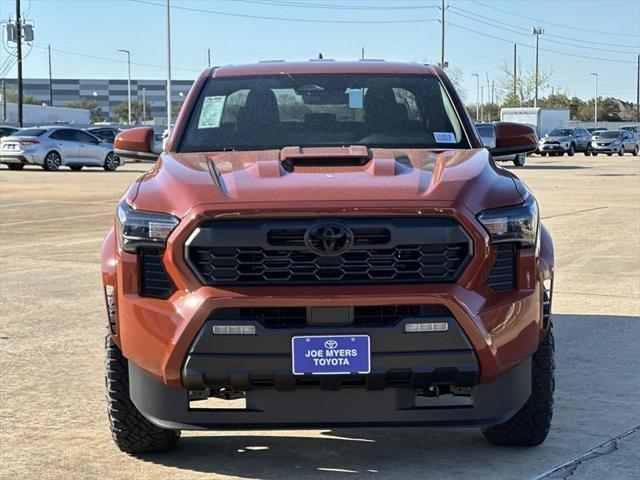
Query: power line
[285,19]
[107,59]
[600,32]
[498,24]
[542,49]
[285,3]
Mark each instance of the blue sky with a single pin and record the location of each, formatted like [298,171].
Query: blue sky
[85,34]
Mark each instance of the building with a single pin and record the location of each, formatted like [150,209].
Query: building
[107,93]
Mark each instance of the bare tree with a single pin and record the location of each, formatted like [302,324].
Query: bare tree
[525,85]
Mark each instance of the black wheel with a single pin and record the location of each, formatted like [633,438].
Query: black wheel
[594,153]
[587,152]
[15,166]
[543,154]
[621,151]
[636,151]
[519,160]
[111,162]
[530,426]
[52,162]
[75,168]
[572,150]
[608,154]
[130,430]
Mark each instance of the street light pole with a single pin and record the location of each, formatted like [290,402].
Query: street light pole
[537,31]
[168,65]
[144,104]
[477,96]
[128,81]
[19,54]
[595,108]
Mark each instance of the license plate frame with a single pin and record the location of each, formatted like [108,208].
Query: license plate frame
[339,363]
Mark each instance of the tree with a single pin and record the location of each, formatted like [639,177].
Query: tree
[525,86]
[121,111]
[12,97]
[95,112]
[609,110]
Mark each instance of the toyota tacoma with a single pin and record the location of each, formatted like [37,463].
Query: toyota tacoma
[327,244]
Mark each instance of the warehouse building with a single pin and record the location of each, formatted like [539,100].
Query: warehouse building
[106,93]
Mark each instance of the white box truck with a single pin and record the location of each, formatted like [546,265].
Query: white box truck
[542,119]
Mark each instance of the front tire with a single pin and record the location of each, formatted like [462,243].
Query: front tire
[15,166]
[530,426]
[52,162]
[636,151]
[519,160]
[572,150]
[130,430]
[111,162]
[543,154]
[621,151]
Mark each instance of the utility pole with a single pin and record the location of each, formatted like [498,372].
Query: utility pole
[482,104]
[442,34]
[493,91]
[595,108]
[515,70]
[638,92]
[168,65]
[50,81]
[144,104]
[362,55]
[128,82]
[19,53]
[4,101]
[537,31]
[209,57]
[477,96]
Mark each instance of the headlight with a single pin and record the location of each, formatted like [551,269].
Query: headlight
[512,224]
[138,229]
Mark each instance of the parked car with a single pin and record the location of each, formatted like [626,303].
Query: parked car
[615,141]
[105,133]
[7,130]
[635,129]
[53,147]
[565,140]
[334,257]
[487,134]
[594,130]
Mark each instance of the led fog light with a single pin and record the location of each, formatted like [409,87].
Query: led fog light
[426,327]
[234,330]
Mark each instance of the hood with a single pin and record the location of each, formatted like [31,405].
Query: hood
[316,176]
[606,140]
[560,138]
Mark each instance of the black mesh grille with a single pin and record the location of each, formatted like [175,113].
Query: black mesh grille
[383,251]
[503,274]
[154,281]
[296,317]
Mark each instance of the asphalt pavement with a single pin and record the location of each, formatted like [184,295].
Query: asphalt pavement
[53,421]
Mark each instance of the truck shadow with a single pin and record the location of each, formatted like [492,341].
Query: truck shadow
[589,367]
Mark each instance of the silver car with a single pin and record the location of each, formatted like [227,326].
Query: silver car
[53,147]
[614,141]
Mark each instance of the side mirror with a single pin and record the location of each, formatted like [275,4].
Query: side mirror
[513,138]
[135,144]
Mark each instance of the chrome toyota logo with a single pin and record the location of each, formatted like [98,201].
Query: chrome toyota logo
[328,239]
[330,344]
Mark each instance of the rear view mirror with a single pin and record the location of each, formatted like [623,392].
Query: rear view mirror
[135,144]
[512,138]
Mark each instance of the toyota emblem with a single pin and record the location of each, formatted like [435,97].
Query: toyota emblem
[328,239]
[330,344]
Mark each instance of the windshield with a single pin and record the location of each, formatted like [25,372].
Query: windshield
[561,132]
[271,112]
[610,134]
[630,129]
[29,132]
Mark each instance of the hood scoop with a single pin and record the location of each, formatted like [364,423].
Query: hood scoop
[318,157]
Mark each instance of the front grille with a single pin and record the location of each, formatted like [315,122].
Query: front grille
[297,317]
[503,274]
[255,252]
[154,281]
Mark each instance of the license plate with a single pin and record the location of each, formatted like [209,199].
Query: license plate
[331,355]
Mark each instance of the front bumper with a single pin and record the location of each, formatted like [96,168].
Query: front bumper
[543,147]
[605,148]
[491,403]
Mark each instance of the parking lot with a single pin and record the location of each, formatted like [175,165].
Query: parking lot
[53,421]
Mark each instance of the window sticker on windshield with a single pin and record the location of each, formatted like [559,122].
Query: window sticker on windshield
[444,137]
[211,112]
[356,98]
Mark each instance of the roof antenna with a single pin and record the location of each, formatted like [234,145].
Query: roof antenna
[320,57]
